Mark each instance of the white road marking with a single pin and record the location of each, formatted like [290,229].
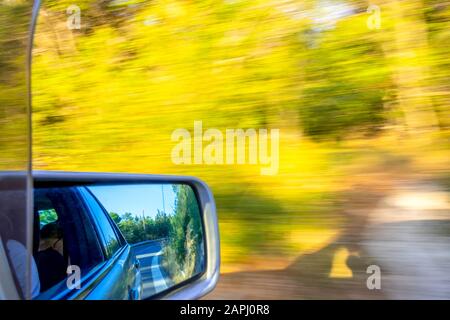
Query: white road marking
[146,255]
[158,280]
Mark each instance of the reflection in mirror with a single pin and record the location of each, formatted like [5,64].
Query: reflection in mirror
[163,224]
[160,243]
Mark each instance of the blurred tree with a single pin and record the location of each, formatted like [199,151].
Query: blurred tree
[185,246]
[346,81]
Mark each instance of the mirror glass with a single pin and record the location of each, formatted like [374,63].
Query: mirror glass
[154,230]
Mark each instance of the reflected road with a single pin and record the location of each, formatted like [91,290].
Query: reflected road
[154,278]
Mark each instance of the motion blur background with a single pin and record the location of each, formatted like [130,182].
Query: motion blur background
[360,91]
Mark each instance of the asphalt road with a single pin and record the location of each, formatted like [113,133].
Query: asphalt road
[154,279]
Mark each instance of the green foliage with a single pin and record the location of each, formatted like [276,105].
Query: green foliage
[47,216]
[184,252]
[347,80]
[137,229]
[116,217]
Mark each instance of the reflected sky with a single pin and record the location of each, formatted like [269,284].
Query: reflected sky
[142,199]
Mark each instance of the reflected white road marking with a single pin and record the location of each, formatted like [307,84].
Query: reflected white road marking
[158,280]
[144,269]
[142,256]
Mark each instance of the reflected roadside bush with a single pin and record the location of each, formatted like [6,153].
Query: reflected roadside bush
[184,254]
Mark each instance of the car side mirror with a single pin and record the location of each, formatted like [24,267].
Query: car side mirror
[164,228]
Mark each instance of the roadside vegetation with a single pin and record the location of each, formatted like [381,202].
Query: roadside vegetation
[136,229]
[353,105]
[184,254]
